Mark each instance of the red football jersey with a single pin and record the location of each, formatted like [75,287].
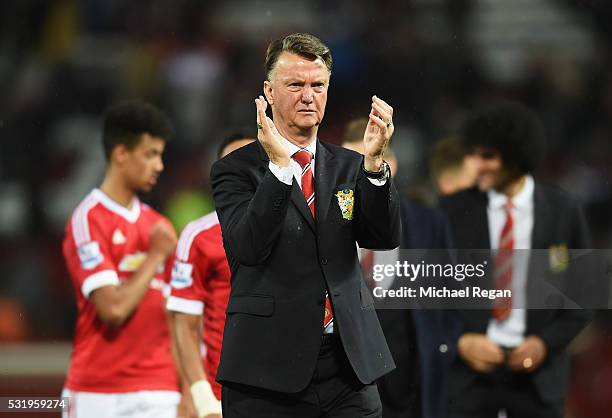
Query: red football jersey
[200,285]
[104,244]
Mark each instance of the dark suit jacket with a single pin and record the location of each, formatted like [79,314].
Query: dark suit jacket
[418,386]
[282,261]
[558,219]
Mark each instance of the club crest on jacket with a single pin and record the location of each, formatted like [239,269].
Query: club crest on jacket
[346,199]
[558,257]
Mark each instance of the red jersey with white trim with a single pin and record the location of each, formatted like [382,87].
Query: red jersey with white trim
[201,285]
[105,243]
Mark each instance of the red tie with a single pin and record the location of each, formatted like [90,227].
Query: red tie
[304,159]
[503,266]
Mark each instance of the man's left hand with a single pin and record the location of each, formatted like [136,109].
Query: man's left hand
[185,408]
[377,134]
[528,356]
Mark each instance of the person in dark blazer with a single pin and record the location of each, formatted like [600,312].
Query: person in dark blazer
[512,359]
[421,340]
[301,337]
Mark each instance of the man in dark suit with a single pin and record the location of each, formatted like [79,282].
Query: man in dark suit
[512,359]
[421,340]
[301,337]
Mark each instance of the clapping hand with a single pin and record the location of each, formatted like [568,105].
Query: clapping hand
[273,142]
[377,134]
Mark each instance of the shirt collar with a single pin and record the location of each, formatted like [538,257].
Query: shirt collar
[523,199]
[312,147]
[130,215]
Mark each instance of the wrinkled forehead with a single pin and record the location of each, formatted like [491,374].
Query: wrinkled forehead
[291,65]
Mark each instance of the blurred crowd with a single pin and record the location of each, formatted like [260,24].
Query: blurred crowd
[63,61]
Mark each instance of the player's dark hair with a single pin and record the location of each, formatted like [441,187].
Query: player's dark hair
[126,122]
[233,136]
[511,129]
[302,44]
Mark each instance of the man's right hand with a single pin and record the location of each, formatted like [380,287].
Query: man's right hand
[162,239]
[480,353]
[269,137]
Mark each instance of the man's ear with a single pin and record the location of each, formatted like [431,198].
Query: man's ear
[268,92]
[119,154]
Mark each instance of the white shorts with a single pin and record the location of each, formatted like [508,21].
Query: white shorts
[142,404]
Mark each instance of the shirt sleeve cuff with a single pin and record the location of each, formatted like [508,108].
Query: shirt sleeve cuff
[187,306]
[98,280]
[284,174]
[378,182]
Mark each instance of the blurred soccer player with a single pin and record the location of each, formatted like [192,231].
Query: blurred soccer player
[200,287]
[418,385]
[511,358]
[452,168]
[116,249]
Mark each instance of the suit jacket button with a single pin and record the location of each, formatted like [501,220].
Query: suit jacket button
[443,348]
[324,261]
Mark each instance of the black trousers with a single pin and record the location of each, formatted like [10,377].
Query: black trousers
[334,392]
[502,390]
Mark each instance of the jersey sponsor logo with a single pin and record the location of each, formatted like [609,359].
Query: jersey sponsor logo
[118,237]
[181,275]
[131,262]
[90,255]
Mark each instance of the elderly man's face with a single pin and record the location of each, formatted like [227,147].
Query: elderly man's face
[297,92]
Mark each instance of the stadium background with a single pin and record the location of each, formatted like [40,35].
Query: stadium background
[63,61]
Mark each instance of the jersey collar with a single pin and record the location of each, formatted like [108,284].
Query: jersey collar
[130,215]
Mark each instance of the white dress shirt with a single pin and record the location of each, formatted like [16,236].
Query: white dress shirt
[510,332]
[294,170]
[285,174]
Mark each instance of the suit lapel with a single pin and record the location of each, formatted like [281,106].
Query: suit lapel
[542,225]
[475,227]
[298,200]
[482,238]
[479,229]
[324,182]
[541,219]
[297,197]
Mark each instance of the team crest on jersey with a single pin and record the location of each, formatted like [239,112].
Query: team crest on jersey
[346,199]
[90,255]
[181,275]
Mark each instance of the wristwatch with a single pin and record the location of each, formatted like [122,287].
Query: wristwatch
[382,174]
